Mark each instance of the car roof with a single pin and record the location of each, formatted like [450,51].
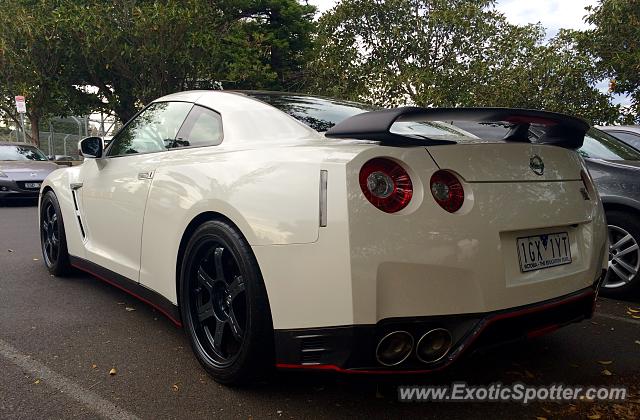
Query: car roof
[15,143]
[233,101]
[198,96]
[632,128]
[242,114]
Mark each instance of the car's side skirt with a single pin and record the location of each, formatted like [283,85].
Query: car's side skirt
[135,289]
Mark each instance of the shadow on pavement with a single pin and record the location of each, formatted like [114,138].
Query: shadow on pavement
[18,202]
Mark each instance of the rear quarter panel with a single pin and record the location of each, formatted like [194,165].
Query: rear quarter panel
[270,194]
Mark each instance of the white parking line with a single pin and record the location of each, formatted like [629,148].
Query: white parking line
[618,318]
[92,401]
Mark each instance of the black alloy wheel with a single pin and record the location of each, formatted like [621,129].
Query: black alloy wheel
[224,305]
[52,236]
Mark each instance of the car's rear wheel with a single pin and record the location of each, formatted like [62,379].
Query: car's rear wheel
[623,276]
[224,305]
[52,236]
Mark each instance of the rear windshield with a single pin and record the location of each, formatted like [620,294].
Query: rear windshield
[323,113]
[20,152]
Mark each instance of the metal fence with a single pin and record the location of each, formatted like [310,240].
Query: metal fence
[60,144]
[59,137]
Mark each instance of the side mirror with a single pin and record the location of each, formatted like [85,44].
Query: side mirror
[91,147]
[51,157]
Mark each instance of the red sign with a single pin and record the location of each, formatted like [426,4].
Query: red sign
[21,105]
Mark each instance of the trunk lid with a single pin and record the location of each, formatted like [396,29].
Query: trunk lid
[508,162]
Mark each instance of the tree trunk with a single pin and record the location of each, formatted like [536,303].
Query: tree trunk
[125,113]
[125,107]
[35,129]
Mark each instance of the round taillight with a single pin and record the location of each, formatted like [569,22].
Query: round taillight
[447,191]
[386,184]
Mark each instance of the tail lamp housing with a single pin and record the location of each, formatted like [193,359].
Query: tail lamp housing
[588,184]
[447,190]
[386,184]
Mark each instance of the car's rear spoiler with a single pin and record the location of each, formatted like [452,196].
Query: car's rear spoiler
[558,129]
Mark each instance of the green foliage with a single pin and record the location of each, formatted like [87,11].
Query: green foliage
[616,41]
[73,56]
[557,76]
[34,62]
[133,51]
[451,53]
[136,51]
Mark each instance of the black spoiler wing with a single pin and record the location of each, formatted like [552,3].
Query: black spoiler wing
[557,129]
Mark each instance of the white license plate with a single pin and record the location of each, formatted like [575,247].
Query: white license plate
[544,251]
[32,185]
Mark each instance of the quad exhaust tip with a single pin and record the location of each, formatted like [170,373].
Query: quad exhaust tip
[434,345]
[394,348]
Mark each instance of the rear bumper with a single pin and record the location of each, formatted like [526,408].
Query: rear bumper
[351,349]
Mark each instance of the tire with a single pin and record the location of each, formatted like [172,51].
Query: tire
[623,276]
[224,305]
[53,240]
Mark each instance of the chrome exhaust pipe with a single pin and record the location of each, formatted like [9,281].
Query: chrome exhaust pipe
[394,348]
[434,345]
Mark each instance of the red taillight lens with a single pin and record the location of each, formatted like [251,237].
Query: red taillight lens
[447,191]
[386,184]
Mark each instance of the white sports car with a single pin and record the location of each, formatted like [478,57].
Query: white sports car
[391,243]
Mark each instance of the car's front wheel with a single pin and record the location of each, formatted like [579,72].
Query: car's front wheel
[224,305]
[52,236]
[623,276]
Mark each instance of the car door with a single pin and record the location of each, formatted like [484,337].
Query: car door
[202,128]
[114,188]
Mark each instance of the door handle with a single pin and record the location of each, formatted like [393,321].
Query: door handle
[145,175]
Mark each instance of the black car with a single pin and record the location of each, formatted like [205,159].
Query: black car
[615,168]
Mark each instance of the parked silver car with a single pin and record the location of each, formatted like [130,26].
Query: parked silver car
[23,167]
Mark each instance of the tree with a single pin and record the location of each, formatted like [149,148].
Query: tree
[398,50]
[557,76]
[285,28]
[615,39]
[73,56]
[34,62]
[451,53]
[135,51]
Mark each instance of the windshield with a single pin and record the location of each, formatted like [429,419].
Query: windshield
[21,152]
[600,145]
[323,113]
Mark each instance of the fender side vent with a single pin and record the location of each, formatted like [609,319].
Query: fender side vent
[77,211]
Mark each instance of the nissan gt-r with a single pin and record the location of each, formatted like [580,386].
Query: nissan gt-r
[299,232]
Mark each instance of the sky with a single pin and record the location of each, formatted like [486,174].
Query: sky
[553,14]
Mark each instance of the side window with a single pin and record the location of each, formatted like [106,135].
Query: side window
[153,130]
[203,127]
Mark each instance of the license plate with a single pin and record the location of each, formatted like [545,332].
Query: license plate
[32,185]
[544,251]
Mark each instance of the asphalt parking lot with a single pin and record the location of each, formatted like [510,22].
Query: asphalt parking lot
[59,339]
